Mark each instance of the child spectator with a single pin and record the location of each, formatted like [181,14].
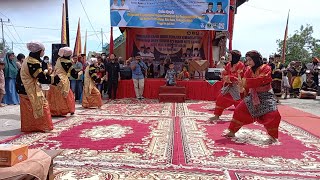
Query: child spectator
[184,75]
[285,84]
[171,75]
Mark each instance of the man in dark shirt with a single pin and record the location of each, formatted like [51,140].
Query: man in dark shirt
[113,74]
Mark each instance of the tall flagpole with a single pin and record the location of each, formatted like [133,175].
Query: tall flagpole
[67,22]
[63,27]
[285,40]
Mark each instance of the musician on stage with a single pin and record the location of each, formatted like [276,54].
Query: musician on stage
[260,103]
[230,93]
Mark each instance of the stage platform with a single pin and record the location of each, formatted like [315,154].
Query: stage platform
[195,89]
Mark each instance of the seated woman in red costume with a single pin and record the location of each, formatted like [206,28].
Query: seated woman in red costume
[91,94]
[230,93]
[60,96]
[34,108]
[260,104]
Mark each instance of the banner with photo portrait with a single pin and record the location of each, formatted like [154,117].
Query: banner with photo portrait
[176,45]
[173,14]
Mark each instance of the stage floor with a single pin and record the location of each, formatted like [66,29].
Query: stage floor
[195,89]
[132,139]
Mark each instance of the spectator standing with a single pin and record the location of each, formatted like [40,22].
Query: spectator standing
[139,71]
[77,84]
[113,75]
[161,69]
[10,74]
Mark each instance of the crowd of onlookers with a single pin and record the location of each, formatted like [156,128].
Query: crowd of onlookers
[294,80]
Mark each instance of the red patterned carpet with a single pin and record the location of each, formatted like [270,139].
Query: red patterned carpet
[127,139]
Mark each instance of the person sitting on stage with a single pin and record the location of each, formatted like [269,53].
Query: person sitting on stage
[171,75]
[91,94]
[230,94]
[34,108]
[184,75]
[260,103]
[309,88]
[60,96]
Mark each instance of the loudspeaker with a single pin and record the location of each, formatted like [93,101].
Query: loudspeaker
[125,73]
[55,50]
[213,74]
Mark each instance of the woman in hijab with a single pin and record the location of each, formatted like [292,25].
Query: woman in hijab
[60,96]
[230,93]
[260,103]
[34,108]
[91,94]
[10,74]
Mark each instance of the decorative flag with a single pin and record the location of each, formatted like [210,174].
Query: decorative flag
[77,45]
[64,26]
[85,45]
[85,50]
[111,45]
[285,40]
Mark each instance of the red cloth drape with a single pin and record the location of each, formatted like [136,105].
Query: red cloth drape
[195,89]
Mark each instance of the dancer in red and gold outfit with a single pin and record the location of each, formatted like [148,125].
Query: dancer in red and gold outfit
[91,94]
[260,103]
[230,93]
[34,108]
[60,96]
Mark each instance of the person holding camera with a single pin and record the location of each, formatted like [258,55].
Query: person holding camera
[139,72]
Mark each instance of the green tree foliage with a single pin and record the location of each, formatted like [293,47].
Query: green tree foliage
[301,46]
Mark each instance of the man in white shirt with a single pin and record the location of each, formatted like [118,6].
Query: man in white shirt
[114,5]
[149,54]
[123,5]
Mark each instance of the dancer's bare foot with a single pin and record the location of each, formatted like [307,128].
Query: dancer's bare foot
[228,134]
[214,118]
[2,105]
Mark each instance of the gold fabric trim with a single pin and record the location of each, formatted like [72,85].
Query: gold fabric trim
[33,88]
[35,74]
[88,82]
[64,85]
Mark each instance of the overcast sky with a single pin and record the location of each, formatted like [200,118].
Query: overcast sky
[258,24]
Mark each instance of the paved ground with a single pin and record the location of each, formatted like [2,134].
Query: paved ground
[10,115]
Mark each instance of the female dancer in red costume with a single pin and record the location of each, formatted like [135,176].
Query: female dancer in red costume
[260,104]
[230,93]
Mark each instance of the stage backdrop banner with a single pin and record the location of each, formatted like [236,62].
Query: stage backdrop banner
[178,45]
[171,14]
